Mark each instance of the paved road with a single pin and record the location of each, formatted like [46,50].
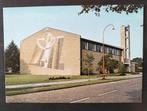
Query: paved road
[125,91]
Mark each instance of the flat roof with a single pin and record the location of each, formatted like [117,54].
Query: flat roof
[92,41]
[76,35]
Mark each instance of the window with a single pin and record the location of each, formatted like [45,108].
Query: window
[91,47]
[101,48]
[105,49]
[113,51]
[98,48]
[118,52]
[109,50]
[84,45]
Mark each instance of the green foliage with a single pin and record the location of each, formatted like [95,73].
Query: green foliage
[109,63]
[12,61]
[122,69]
[84,70]
[96,9]
[14,79]
[88,63]
[60,77]
[138,64]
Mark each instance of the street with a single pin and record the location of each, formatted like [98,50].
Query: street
[125,91]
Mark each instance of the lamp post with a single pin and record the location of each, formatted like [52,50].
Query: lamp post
[141,25]
[104,49]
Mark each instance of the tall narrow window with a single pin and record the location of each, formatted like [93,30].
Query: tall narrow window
[98,48]
[91,47]
[118,52]
[113,51]
[105,49]
[110,50]
[84,45]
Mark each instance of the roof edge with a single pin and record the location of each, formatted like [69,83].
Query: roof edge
[102,43]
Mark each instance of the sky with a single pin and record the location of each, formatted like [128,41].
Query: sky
[21,22]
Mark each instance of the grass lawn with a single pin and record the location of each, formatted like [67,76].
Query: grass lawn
[11,92]
[26,79]
[14,79]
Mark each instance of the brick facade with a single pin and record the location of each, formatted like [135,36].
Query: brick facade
[65,56]
[69,55]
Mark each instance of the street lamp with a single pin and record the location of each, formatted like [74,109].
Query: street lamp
[104,49]
[141,25]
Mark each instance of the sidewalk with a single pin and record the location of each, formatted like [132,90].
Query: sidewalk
[66,82]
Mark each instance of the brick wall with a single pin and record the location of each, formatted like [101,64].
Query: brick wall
[69,63]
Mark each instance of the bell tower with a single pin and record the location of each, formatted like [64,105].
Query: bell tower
[125,45]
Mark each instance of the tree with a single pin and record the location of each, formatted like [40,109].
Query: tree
[88,63]
[96,9]
[122,69]
[139,63]
[112,65]
[12,58]
[109,63]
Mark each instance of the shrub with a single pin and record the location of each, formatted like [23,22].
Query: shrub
[88,64]
[60,77]
[122,69]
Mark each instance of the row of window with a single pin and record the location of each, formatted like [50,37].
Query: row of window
[99,48]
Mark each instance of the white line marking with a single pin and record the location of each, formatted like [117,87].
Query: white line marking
[80,100]
[89,98]
[107,92]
